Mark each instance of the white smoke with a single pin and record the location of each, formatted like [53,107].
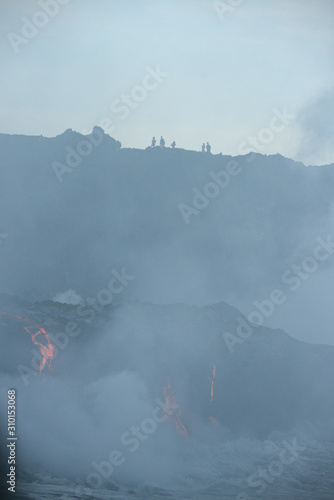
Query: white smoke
[69,297]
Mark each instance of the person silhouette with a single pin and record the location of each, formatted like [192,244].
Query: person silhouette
[162,142]
[153,142]
[208,148]
[203,147]
[173,144]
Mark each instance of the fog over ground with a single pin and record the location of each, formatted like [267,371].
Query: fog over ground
[166,250]
[136,209]
[154,379]
[167,396]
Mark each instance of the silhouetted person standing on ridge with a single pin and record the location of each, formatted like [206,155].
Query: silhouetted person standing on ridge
[162,142]
[153,142]
[203,147]
[208,148]
[173,144]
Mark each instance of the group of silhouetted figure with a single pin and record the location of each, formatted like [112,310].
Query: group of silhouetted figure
[162,143]
[205,148]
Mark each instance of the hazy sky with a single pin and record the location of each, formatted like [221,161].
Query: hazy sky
[225,67]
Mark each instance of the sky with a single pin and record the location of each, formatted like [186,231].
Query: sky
[189,70]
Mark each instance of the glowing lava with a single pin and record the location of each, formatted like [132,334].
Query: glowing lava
[34,330]
[46,351]
[173,410]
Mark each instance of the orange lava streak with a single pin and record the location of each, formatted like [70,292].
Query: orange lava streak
[173,410]
[46,351]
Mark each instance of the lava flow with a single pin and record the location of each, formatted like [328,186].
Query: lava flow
[172,409]
[45,350]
